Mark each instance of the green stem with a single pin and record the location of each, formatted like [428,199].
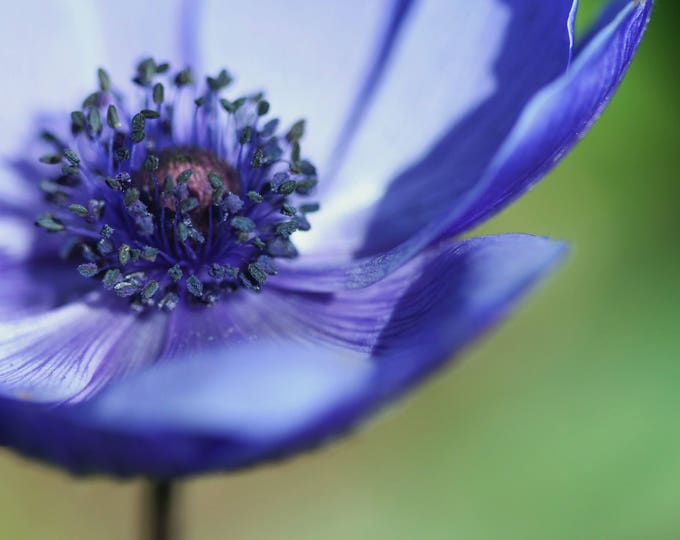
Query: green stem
[162,524]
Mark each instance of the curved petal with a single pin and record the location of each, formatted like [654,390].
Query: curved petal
[243,317]
[550,124]
[35,277]
[52,65]
[560,115]
[67,353]
[308,56]
[50,53]
[30,286]
[200,414]
[460,76]
[130,30]
[235,406]
[460,293]
[253,393]
[366,91]
[56,50]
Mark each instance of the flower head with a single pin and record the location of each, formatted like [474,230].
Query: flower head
[161,212]
[174,312]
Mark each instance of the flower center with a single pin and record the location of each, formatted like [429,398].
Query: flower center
[169,204]
[201,173]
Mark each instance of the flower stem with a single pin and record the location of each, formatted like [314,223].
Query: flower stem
[162,524]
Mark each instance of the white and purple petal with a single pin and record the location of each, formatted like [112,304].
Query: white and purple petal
[232,406]
[490,94]
[552,122]
[69,353]
[463,181]
[167,31]
[30,285]
[459,76]
[561,114]
[309,56]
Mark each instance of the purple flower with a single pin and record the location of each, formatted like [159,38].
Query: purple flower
[173,312]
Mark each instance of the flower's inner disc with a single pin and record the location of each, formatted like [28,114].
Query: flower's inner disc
[207,174]
[183,201]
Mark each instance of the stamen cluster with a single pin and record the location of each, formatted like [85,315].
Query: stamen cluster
[188,198]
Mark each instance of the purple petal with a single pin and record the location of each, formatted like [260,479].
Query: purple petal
[553,121]
[240,318]
[460,77]
[209,412]
[366,92]
[467,288]
[67,353]
[238,405]
[310,57]
[254,393]
[50,52]
[51,65]
[354,317]
[32,285]
[133,30]
[560,115]
[427,311]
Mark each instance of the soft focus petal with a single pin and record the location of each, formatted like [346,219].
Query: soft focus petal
[50,74]
[462,291]
[233,406]
[67,353]
[30,286]
[53,69]
[436,305]
[559,116]
[252,393]
[459,78]
[49,53]
[553,121]
[16,235]
[212,412]
[132,30]
[21,201]
[240,318]
[310,57]
[364,96]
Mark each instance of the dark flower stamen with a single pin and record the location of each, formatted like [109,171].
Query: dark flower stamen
[161,212]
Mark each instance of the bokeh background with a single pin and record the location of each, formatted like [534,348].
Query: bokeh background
[561,424]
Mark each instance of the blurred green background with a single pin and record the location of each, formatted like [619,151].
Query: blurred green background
[561,424]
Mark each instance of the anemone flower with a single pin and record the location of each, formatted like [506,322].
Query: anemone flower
[174,312]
